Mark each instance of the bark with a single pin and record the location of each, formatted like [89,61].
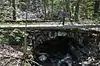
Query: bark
[96,6]
[68,8]
[14,11]
[52,8]
[44,3]
[67,5]
[77,10]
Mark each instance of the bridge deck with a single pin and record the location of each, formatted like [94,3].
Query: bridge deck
[52,26]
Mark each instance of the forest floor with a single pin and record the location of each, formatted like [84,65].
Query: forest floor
[9,56]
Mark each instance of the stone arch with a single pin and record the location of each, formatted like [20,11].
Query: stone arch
[58,44]
[74,42]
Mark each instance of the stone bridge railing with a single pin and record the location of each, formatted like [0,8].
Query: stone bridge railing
[83,36]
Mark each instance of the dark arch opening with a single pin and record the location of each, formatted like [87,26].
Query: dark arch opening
[59,46]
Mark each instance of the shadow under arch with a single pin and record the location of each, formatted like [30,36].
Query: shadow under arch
[59,46]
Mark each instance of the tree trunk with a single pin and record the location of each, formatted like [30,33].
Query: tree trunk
[14,11]
[67,5]
[44,3]
[77,10]
[68,8]
[52,9]
[96,8]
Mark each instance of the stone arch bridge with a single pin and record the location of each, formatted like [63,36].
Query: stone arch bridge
[38,34]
